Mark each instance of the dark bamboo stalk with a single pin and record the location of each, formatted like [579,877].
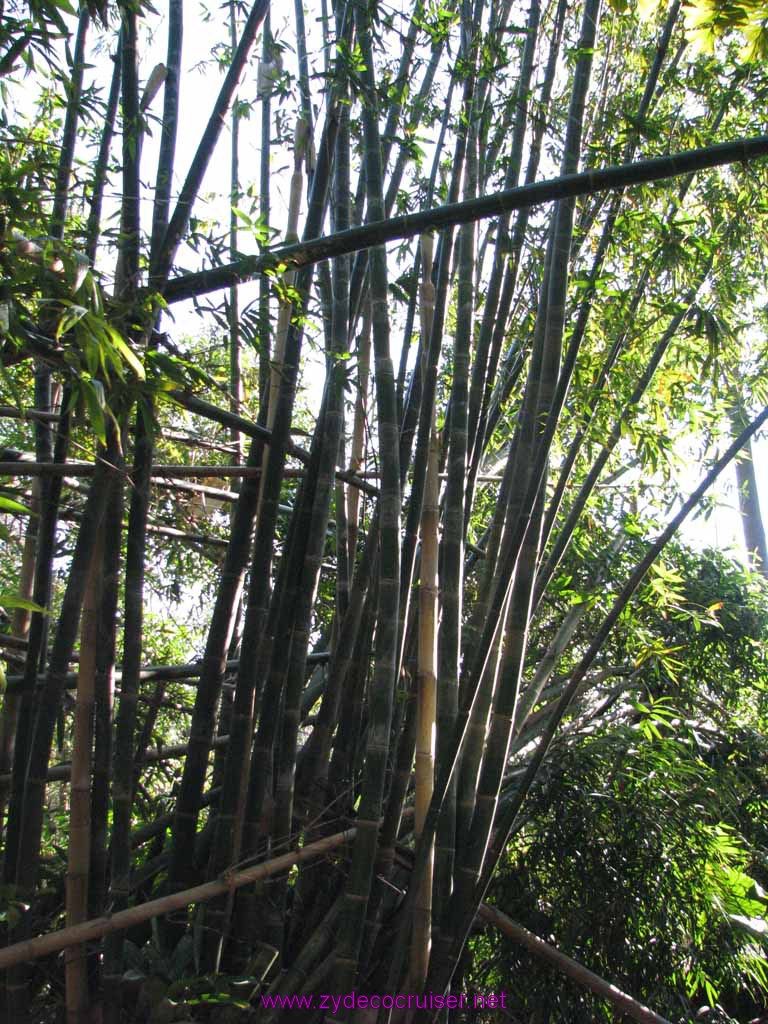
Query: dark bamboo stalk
[69,134]
[189,190]
[568,186]
[165,161]
[41,595]
[264,213]
[125,286]
[104,688]
[79,848]
[506,821]
[48,701]
[93,227]
[233,309]
[358,888]
[452,545]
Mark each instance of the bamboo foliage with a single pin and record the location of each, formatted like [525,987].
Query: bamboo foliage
[386,653]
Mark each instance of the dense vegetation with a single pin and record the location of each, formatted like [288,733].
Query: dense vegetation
[348,428]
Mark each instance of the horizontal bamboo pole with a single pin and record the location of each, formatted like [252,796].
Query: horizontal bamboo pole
[588,979]
[22,468]
[15,643]
[74,469]
[167,673]
[88,931]
[251,429]
[62,772]
[341,243]
[10,412]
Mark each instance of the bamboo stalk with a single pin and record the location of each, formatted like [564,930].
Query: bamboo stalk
[507,817]
[93,227]
[167,752]
[567,186]
[384,674]
[454,519]
[126,285]
[623,1003]
[46,539]
[180,218]
[47,702]
[69,134]
[88,931]
[79,848]
[427,660]
[104,690]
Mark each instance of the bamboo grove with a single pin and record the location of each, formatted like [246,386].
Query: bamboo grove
[408,429]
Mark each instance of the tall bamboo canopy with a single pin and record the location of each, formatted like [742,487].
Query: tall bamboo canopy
[317,586]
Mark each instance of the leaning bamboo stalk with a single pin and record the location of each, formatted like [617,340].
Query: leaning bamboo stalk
[79,849]
[88,931]
[567,186]
[189,190]
[623,1003]
[566,532]
[506,819]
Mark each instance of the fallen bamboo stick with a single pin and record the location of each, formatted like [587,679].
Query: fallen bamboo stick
[54,942]
[580,974]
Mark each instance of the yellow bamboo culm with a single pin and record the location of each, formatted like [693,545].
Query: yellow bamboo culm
[427,651]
